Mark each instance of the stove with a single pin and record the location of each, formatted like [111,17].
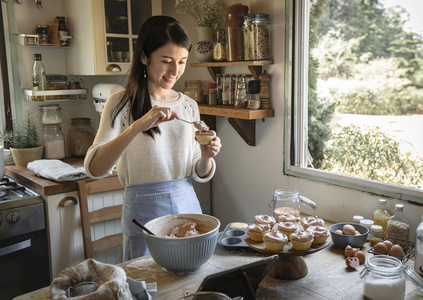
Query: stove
[23,240]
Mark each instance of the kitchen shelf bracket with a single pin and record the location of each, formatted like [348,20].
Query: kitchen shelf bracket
[246,129]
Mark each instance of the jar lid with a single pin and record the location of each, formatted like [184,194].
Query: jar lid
[259,16]
[51,126]
[80,121]
[49,107]
[358,218]
[366,222]
[376,228]
[212,85]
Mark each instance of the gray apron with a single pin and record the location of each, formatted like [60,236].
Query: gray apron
[145,202]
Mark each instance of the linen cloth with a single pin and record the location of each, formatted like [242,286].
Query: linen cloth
[56,170]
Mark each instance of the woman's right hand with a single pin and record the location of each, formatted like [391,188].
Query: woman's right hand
[154,117]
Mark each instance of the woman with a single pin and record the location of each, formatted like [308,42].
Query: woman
[155,154]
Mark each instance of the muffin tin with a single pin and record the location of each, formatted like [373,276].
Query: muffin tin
[233,238]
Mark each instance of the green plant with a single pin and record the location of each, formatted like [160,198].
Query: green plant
[25,134]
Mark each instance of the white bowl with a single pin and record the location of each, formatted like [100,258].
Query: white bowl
[182,255]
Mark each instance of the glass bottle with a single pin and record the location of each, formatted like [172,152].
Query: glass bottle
[81,136]
[241,93]
[51,114]
[383,278]
[53,141]
[38,76]
[286,202]
[398,224]
[418,259]
[219,46]
[381,216]
[63,31]
[194,90]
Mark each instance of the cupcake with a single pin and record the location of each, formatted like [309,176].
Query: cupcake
[302,240]
[264,220]
[289,218]
[256,231]
[286,228]
[204,137]
[274,241]
[320,234]
[312,221]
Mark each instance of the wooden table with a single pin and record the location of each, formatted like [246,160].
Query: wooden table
[327,278]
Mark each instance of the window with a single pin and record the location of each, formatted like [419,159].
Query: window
[354,94]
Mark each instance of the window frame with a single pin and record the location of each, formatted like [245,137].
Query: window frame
[296,123]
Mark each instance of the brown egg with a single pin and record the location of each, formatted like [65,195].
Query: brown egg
[339,231]
[348,229]
[380,248]
[388,244]
[361,257]
[357,233]
[352,262]
[350,251]
[396,251]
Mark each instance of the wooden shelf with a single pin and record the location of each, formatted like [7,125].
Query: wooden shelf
[242,120]
[255,66]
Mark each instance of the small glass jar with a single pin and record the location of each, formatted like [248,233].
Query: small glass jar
[219,86]
[194,90]
[53,141]
[383,278]
[42,32]
[81,136]
[226,87]
[219,46]
[212,93]
[357,219]
[51,114]
[368,223]
[286,202]
[376,231]
[241,93]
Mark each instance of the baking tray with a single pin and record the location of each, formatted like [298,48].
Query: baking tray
[233,238]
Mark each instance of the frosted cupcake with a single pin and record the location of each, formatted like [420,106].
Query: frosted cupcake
[286,228]
[301,240]
[289,218]
[274,240]
[256,231]
[320,234]
[312,221]
[264,220]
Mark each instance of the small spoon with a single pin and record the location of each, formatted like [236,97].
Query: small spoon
[200,125]
[142,226]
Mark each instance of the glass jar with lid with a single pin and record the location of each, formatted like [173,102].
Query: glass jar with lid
[81,136]
[51,114]
[381,216]
[286,202]
[194,90]
[383,278]
[398,225]
[53,141]
[260,35]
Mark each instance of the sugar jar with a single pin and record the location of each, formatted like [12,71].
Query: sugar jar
[81,136]
[51,114]
[53,141]
[383,278]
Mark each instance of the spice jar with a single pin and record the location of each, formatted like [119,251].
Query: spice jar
[226,86]
[241,93]
[236,14]
[194,90]
[219,86]
[219,46]
[383,278]
[53,141]
[212,93]
[81,136]
[42,32]
[357,219]
[51,114]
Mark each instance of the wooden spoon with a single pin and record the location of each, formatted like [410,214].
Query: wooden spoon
[142,227]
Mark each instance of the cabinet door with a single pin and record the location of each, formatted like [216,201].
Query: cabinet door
[65,232]
[103,32]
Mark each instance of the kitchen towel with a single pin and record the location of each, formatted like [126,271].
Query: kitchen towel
[56,170]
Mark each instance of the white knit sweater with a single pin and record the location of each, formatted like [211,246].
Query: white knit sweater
[173,154]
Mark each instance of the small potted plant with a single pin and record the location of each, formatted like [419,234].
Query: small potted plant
[24,142]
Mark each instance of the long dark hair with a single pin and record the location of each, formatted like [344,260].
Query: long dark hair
[156,32]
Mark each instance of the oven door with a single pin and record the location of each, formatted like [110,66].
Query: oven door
[24,264]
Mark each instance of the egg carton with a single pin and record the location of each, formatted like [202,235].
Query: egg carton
[233,238]
[407,246]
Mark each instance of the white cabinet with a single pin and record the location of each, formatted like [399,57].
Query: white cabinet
[65,231]
[104,32]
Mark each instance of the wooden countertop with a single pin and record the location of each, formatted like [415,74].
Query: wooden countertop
[41,185]
[327,278]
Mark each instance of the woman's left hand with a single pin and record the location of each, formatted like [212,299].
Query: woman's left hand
[212,149]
